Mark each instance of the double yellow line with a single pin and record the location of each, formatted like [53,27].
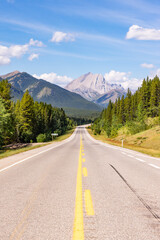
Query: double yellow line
[78,228]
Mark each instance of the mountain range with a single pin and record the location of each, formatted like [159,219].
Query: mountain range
[44,91]
[88,93]
[95,88]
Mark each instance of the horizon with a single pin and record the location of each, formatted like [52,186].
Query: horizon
[117,39]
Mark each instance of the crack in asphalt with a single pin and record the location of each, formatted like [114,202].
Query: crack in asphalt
[134,191]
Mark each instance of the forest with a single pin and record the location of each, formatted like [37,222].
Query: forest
[132,111]
[27,120]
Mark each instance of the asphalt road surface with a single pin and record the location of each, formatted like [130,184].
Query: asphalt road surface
[80,189]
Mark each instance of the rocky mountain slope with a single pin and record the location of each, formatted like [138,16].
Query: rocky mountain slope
[44,91]
[94,87]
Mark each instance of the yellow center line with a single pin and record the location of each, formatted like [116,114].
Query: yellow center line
[88,203]
[78,228]
[85,174]
[83,159]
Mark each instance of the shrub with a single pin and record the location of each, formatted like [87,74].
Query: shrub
[136,127]
[41,137]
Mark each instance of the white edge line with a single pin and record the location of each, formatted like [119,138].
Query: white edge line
[152,165]
[120,148]
[140,160]
[23,160]
[130,156]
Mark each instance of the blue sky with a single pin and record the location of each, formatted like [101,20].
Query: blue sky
[60,40]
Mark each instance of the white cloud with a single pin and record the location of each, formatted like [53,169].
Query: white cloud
[35,43]
[124,79]
[154,73]
[62,37]
[16,51]
[54,78]
[147,65]
[141,33]
[4,60]
[33,56]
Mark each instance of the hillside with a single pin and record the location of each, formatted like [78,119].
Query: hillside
[112,95]
[94,87]
[133,117]
[147,141]
[44,91]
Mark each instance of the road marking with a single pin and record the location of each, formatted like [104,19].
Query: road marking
[23,160]
[124,153]
[78,228]
[130,156]
[152,165]
[85,173]
[82,154]
[140,160]
[83,159]
[118,148]
[88,203]
[21,232]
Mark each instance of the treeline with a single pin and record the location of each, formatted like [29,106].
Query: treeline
[28,120]
[81,121]
[131,111]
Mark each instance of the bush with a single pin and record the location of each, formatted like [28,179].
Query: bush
[136,127]
[26,136]
[41,137]
[44,137]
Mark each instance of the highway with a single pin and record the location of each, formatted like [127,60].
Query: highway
[80,189]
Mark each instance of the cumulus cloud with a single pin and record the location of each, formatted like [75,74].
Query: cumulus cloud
[33,56]
[4,60]
[62,37]
[54,78]
[124,79]
[147,65]
[141,33]
[35,43]
[16,51]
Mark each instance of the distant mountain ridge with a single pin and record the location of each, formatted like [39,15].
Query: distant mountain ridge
[44,91]
[94,87]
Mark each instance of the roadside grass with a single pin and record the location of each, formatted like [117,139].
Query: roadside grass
[64,136]
[147,142]
[10,152]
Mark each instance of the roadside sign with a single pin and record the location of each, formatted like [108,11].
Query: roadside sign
[54,135]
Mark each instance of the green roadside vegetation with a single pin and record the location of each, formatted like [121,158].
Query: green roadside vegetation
[82,113]
[134,118]
[29,121]
[9,152]
[147,142]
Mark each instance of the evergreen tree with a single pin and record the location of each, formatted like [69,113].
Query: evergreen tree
[128,105]
[26,117]
[122,111]
[4,116]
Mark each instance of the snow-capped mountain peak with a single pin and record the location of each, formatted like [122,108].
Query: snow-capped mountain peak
[92,86]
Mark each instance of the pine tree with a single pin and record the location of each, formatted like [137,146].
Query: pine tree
[5,93]
[26,117]
[128,102]
[4,116]
[122,111]
[155,96]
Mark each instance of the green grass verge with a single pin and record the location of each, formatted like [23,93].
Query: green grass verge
[7,153]
[103,138]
